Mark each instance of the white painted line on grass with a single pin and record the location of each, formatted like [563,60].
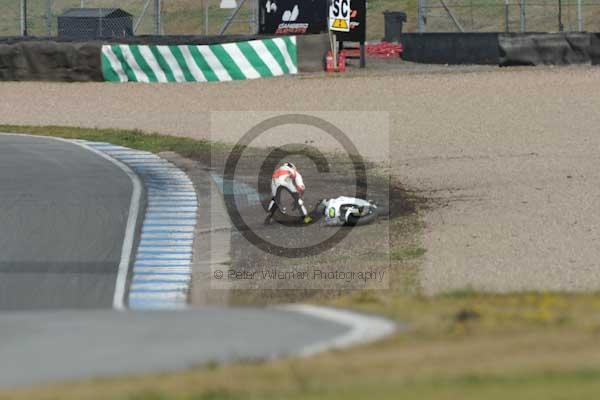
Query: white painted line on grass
[361,328]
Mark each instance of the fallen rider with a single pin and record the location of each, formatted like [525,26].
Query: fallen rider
[287,178]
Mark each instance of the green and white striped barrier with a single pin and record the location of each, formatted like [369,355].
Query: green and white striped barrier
[208,63]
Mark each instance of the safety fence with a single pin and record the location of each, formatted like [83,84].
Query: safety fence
[210,17]
[156,17]
[506,15]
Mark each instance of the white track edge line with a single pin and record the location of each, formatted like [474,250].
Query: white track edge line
[128,240]
[362,328]
[134,207]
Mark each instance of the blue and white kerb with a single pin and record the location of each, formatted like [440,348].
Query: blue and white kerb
[162,265]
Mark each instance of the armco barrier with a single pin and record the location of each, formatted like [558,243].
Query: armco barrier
[66,60]
[451,48]
[544,48]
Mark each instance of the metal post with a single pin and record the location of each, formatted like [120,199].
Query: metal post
[23,17]
[422,16]
[141,17]
[522,17]
[206,17]
[560,23]
[251,7]
[334,50]
[506,21]
[231,17]
[363,56]
[471,15]
[254,27]
[579,17]
[452,16]
[49,17]
[158,28]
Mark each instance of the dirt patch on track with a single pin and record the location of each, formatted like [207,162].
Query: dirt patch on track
[254,275]
[260,275]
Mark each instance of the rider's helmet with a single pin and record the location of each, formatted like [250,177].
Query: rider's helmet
[289,165]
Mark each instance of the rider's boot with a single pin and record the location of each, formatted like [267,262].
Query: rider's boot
[270,211]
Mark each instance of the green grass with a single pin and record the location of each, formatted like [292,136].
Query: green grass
[130,138]
[409,253]
[462,345]
[519,346]
[136,139]
[578,384]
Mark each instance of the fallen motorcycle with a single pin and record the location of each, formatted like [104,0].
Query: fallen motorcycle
[349,211]
[339,211]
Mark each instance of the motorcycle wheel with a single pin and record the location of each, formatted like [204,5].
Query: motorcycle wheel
[364,220]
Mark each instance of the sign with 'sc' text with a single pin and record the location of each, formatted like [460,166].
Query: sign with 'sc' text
[339,15]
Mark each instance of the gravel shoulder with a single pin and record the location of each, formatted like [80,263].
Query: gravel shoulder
[508,156]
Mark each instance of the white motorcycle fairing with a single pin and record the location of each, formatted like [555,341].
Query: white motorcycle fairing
[339,210]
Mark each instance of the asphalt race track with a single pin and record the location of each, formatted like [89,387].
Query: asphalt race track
[63,220]
[62,224]
[42,347]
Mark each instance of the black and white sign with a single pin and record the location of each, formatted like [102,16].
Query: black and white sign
[339,15]
[358,23]
[286,17]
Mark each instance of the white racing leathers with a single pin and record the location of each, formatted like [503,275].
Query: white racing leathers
[287,178]
[339,209]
